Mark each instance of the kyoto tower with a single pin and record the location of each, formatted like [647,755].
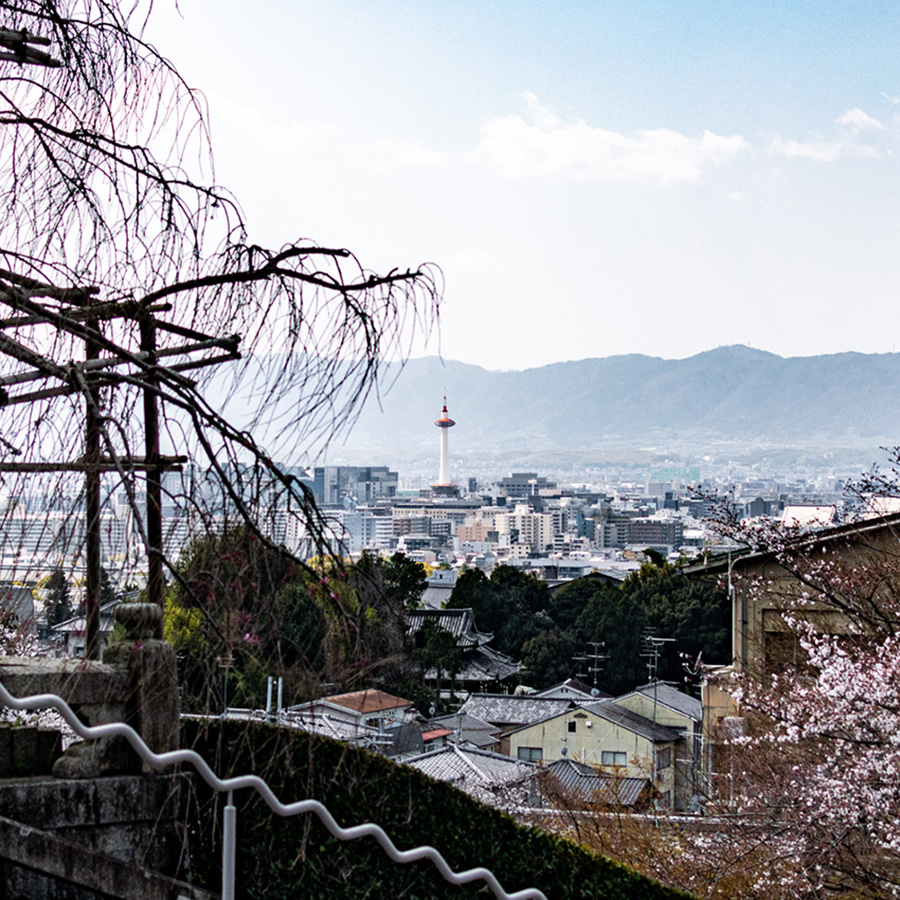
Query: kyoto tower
[445,423]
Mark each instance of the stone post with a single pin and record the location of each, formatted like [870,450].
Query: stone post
[151,702]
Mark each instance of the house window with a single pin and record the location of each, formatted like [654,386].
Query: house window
[614,758]
[784,653]
[572,725]
[530,754]
[663,758]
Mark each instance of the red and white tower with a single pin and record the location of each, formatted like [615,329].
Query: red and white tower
[445,423]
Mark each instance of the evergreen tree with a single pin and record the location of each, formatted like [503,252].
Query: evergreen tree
[58,603]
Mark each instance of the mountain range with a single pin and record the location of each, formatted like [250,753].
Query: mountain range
[735,396]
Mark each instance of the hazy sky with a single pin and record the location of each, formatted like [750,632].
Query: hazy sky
[593,177]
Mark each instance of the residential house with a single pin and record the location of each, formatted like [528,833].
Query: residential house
[490,777]
[509,711]
[466,730]
[664,704]
[372,718]
[621,742]
[70,636]
[766,587]
[571,689]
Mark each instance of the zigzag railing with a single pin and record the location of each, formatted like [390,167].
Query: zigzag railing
[229,785]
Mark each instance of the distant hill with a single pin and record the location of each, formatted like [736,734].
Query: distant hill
[731,394]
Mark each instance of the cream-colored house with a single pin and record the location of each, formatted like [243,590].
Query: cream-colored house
[610,737]
[666,705]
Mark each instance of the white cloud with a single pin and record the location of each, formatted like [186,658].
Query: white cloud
[551,148]
[391,154]
[859,121]
[890,99]
[841,146]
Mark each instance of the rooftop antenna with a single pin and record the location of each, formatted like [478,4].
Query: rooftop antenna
[596,658]
[652,645]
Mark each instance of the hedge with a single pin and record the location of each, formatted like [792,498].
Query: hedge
[290,858]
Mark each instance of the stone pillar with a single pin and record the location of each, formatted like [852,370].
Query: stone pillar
[152,707]
[151,704]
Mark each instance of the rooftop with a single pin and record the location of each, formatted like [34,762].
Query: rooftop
[671,697]
[368,701]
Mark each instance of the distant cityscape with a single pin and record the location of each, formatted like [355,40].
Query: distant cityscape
[532,520]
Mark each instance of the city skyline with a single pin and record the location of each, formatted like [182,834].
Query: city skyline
[655,178]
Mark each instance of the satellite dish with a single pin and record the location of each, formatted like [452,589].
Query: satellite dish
[595,692]
[564,751]
[431,710]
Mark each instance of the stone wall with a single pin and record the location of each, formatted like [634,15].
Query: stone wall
[96,821]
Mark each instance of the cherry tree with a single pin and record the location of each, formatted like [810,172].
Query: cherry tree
[808,792]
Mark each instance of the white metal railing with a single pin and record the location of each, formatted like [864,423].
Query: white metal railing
[229,785]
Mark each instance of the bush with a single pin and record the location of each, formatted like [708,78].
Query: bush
[297,857]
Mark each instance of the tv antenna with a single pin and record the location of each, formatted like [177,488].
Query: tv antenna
[595,658]
[651,646]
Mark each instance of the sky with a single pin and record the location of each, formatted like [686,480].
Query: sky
[593,178]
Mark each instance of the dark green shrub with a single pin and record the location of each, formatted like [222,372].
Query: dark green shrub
[282,858]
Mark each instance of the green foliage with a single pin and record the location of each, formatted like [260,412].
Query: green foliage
[548,656]
[508,605]
[245,607]
[611,616]
[471,591]
[287,858]
[239,605]
[546,630]
[568,602]
[437,649]
[697,614]
[404,579]
[58,603]
[107,591]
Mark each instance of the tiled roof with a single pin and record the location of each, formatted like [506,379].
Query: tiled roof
[468,730]
[399,740]
[633,722]
[511,710]
[79,623]
[574,686]
[458,622]
[482,664]
[463,766]
[368,701]
[593,786]
[462,721]
[436,595]
[572,683]
[673,698]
